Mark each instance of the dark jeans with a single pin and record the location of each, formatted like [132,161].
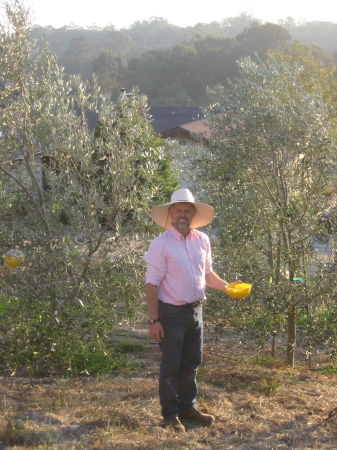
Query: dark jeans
[181,350]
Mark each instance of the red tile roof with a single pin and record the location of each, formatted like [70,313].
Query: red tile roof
[200,127]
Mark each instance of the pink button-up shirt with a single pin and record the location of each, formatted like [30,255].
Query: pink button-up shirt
[178,266]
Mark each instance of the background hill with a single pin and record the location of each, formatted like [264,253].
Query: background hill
[173,65]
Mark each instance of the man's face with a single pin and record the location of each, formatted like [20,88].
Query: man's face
[182,215]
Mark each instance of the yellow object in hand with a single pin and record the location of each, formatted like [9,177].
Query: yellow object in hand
[238,290]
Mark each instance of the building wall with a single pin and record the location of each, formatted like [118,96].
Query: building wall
[182,152]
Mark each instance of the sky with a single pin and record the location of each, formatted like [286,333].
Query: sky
[123,13]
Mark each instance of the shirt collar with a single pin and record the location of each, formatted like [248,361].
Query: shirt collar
[173,232]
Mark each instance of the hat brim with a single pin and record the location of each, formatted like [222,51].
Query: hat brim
[203,216]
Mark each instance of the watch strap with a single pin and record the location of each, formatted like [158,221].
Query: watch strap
[152,321]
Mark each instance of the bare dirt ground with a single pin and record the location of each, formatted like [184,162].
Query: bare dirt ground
[257,404]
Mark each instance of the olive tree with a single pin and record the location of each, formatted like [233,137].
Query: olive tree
[270,160]
[72,201]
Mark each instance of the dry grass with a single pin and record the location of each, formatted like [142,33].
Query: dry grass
[256,406]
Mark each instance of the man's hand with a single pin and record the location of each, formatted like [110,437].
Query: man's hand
[236,282]
[156,331]
[215,282]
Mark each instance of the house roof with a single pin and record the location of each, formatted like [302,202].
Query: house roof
[165,118]
[199,127]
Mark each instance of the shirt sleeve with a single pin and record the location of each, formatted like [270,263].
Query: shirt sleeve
[156,263]
[208,262]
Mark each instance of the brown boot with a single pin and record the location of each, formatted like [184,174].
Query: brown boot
[196,416]
[175,424]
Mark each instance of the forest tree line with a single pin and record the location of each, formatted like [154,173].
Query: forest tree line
[172,65]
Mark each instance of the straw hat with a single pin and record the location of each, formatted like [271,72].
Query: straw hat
[203,216]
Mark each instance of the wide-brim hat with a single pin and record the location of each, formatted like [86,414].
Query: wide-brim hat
[203,216]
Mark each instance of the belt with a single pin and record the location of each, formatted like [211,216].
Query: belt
[192,305]
[186,305]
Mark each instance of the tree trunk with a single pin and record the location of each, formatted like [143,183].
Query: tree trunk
[291,345]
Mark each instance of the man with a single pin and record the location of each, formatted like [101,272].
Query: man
[179,267]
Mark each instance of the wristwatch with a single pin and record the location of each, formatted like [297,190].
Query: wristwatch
[152,321]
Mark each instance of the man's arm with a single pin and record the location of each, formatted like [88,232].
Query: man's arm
[156,330]
[215,282]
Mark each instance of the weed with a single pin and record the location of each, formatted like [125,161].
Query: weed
[126,346]
[92,360]
[266,361]
[13,433]
[329,370]
[268,386]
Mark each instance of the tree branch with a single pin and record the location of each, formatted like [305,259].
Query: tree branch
[31,198]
